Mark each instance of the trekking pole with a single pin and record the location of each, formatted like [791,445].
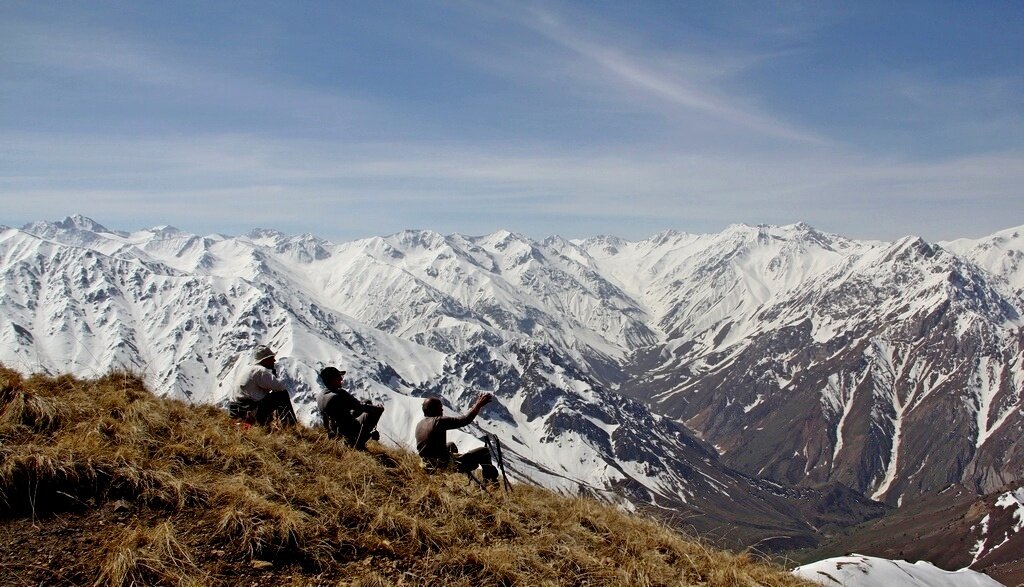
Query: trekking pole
[389,437]
[494,447]
[291,413]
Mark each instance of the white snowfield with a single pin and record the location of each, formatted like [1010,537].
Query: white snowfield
[868,571]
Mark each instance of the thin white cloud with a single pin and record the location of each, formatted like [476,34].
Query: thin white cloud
[689,81]
[679,92]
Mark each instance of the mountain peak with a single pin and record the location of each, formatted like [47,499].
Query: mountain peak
[502,239]
[799,227]
[425,239]
[914,243]
[75,227]
[1010,236]
[798,232]
[503,235]
[261,233]
[80,222]
[742,227]
[665,236]
[165,230]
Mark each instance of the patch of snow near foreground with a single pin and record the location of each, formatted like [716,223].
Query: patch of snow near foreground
[1014,499]
[867,571]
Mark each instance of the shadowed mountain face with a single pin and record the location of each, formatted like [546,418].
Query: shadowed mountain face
[761,357]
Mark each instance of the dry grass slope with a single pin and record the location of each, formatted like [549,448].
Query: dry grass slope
[103,483]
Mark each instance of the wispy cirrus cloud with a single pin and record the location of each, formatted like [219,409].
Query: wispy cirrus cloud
[678,85]
[692,87]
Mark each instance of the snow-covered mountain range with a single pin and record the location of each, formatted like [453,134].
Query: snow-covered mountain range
[893,368]
[684,372]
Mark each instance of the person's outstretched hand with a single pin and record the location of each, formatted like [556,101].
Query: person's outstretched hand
[483,399]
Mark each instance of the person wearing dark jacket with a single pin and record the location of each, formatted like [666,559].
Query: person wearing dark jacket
[260,396]
[432,439]
[342,413]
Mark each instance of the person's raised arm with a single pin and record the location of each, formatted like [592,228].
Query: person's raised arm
[481,400]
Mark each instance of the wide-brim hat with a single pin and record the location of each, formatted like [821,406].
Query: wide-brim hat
[262,353]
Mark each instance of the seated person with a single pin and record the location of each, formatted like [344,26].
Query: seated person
[343,414]
[432,439]
[260,395]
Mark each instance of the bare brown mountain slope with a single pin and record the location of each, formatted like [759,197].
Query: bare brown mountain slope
[103,483]
[953,529]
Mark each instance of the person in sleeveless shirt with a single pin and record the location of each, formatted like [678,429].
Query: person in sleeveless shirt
[432,440]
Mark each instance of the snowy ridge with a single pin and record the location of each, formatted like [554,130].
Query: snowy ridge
[726,275]
[1001,254]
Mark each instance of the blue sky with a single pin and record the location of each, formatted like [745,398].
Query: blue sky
[350,119]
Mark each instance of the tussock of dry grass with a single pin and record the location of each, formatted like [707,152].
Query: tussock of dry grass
[149,555]
[209,498]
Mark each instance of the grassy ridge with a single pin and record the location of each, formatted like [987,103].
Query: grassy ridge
[103,483]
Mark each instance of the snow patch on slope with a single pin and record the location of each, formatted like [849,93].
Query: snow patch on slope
[1014,500]
[867,571]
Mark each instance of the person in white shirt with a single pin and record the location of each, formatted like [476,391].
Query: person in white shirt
[260,395]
